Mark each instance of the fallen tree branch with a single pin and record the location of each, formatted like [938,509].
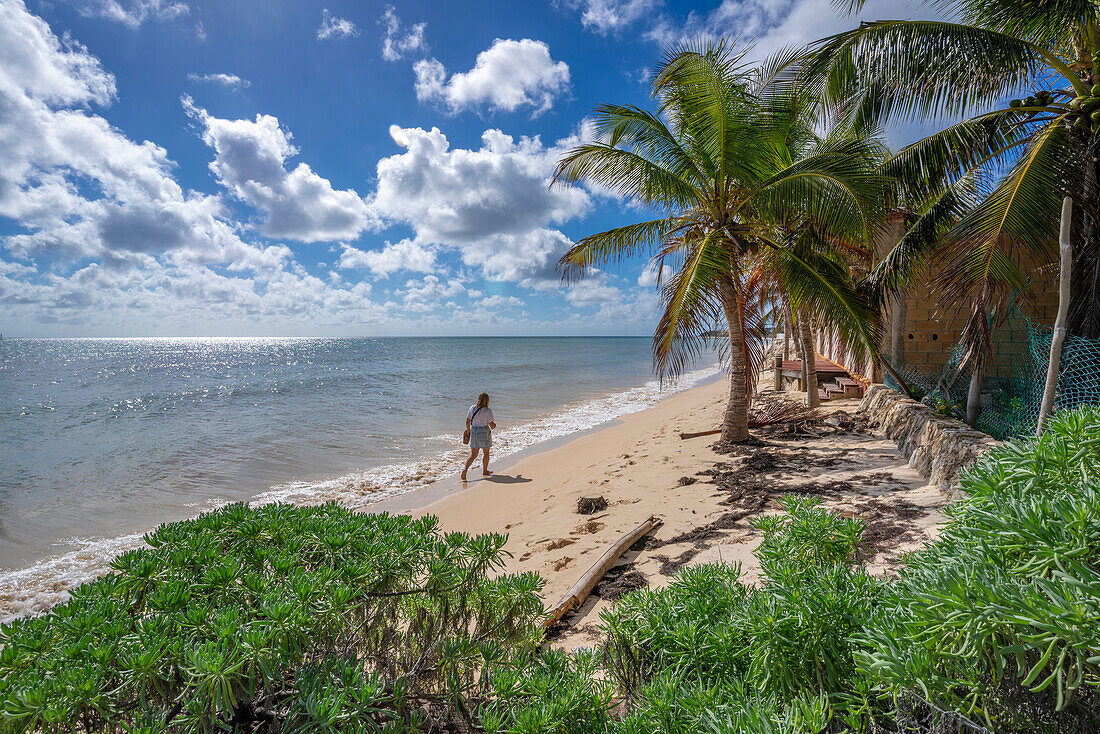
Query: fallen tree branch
[768,412]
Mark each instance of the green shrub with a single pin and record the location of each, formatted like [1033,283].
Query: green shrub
[788,636]
[672,705]
[302,619]
[556,693]
[709,653]
[999,618]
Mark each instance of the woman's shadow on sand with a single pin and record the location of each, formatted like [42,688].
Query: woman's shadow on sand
[505,479]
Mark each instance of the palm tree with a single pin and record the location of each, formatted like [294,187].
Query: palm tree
[999,175]
[748,198]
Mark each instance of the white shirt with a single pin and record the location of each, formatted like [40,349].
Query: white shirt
[484,416]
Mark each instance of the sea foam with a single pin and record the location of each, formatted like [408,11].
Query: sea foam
[35,589]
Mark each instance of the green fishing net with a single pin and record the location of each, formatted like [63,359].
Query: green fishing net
[1012,389]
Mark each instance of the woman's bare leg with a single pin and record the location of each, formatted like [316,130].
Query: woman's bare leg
[485,462]
[473,455]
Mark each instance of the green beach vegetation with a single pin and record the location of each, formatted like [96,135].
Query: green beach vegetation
[992,627]
[278,618]
[322,620]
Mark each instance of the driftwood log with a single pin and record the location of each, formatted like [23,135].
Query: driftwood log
[579,591]
[685,436]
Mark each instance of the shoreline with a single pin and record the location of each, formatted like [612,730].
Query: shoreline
[427,495]
[704,498]
[639,464]
[34,588]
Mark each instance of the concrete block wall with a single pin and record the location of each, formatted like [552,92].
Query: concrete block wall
[936,446]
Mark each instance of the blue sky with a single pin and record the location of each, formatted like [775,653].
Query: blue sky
[188,168]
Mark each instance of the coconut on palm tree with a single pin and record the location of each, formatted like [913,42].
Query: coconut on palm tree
[748,198]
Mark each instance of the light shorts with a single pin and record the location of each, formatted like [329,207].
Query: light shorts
[480,437]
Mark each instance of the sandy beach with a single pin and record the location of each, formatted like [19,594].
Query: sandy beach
[704,498]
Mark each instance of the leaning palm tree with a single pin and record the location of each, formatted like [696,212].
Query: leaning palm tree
[1004,168]
[714,160]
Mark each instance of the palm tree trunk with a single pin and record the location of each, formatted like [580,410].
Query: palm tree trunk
[796,338]
[788,327]
[978,358]
[1084,312]
[809,360]
[1065,273]
[735,421]
[974,395]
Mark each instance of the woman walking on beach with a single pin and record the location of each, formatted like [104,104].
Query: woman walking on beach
[479,423]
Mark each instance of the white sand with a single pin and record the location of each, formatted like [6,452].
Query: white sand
[636,464]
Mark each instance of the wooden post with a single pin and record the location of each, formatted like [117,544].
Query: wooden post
[778,374]
[1065,272]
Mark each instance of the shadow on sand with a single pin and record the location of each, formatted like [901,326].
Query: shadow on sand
[503,479]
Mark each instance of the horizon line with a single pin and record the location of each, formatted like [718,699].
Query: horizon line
[386,336]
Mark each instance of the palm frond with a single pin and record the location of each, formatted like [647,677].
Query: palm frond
[615,245]
[918,68]
[821,284]
[1022,210]
[928,167]
[837,191]
[632,128]
[690,306]
[907,260]
[626,173]
[1050,23]
[706,92]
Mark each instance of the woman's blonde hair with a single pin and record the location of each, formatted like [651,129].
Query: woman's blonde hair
[483,400]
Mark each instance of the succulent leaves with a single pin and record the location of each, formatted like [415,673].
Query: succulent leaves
[318,618]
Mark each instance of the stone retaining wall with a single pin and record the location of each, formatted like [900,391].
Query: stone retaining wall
[936,446]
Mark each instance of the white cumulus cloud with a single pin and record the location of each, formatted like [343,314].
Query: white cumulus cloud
[493,204]
[530,258]
[613,16]
[392,258]
[250,161]
[334,27]
[53,147]
[396,44]
[455,196]
[593,291]
[428,293]
[508,75]
[499,301]
[123,247]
